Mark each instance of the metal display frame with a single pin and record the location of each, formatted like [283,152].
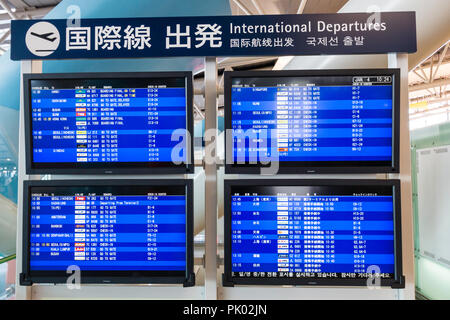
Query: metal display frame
[398,282]
[137,277]
[109,168]
[300,167]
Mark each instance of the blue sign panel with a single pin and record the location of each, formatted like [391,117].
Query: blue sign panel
[306,34]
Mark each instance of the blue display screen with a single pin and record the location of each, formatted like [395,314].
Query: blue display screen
[91,123]
[343,232]
[313,120]
[108,228]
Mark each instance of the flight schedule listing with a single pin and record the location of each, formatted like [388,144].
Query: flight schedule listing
[132,228]
[317,119]
[107,121]
[312,232]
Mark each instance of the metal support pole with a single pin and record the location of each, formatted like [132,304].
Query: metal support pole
[242,7]
[86,291]
[211,179]
[400,61]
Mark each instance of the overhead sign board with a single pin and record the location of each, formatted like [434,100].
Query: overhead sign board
[305,34]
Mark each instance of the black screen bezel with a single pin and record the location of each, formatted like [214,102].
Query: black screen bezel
[314,166]
[102,277]
[105,167]
[228,280]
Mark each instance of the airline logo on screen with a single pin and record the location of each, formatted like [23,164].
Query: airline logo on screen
[306,34]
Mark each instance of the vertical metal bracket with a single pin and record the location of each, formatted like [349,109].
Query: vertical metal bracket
[400,60]
[211,179]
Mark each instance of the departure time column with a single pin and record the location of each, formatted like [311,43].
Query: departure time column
[153,121]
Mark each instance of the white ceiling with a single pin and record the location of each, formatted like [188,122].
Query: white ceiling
[420,86]
[22,9]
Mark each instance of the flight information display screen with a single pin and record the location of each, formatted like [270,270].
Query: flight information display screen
[312,121]
[117,228]
[312,232]
[110,123]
